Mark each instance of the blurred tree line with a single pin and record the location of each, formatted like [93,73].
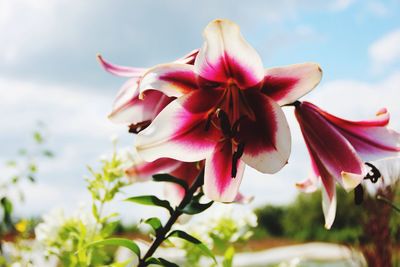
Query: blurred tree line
[303,220]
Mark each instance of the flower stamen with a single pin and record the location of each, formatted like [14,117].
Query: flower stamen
[136,128]
[374,174]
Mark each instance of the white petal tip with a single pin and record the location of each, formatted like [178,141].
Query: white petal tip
[351,180]
[99,58]
[382,111]
[307,186]
[112,117]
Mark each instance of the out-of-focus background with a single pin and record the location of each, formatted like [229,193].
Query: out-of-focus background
[49,74]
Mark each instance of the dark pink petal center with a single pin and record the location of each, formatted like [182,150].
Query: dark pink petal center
[259,135]
[278,87]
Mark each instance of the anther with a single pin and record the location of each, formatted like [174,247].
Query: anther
[240,149]
[138,127]
[375,175]
[358,194]
[235,159]
[296,104]
[236,125]
[208,122]
[224,121]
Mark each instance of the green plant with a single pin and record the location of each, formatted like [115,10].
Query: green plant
[23,168]
[69,237]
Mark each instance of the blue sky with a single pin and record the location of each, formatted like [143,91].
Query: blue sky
[48,72]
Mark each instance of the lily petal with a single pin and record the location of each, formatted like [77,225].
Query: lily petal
[333,152]
[219,185]
[287,84]
[351,180]
[171,79]
[329,204]
[143,171]
[189,58]
[122,71]
[178,132]
[308,186]
[267,138]
[225,55]
[128,108]
[243,199]
[371,138]
[188,172]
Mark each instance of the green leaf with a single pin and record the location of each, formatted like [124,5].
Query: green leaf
[166,263]
[171,179]
[31,178]
[7,205]
[123,242]
[151,201]
[32,168]
[155,223]
[193,240]
[153,260]
[22,152]
[109,228]
[161,262]
[95,212]
[11,163]
[228,257]
[7,210]
[195,207]
[38,137]
[48,153]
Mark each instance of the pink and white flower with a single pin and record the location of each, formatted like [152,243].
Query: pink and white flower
[128,107]
[186,171]
[338,149]
[227,110]
[141,171]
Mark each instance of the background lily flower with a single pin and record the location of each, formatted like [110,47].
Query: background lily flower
[127,106]
[337,148]
[227,78]
[174,193]
[142,171]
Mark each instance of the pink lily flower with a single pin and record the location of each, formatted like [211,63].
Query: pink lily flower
[128,107]
[142,171]
[227,110]
[338,149]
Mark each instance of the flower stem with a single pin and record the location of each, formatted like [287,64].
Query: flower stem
[387,201]
[160,237]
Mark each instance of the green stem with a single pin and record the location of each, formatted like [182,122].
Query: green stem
[174,217]
[387,201]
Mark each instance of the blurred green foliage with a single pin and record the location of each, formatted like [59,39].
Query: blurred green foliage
[69,237]
[23,168]
[303,219]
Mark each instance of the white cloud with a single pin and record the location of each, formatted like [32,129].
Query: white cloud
[340,5]
[40,198]
[57,40]
[66,109]
[377,8]
[385,51]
